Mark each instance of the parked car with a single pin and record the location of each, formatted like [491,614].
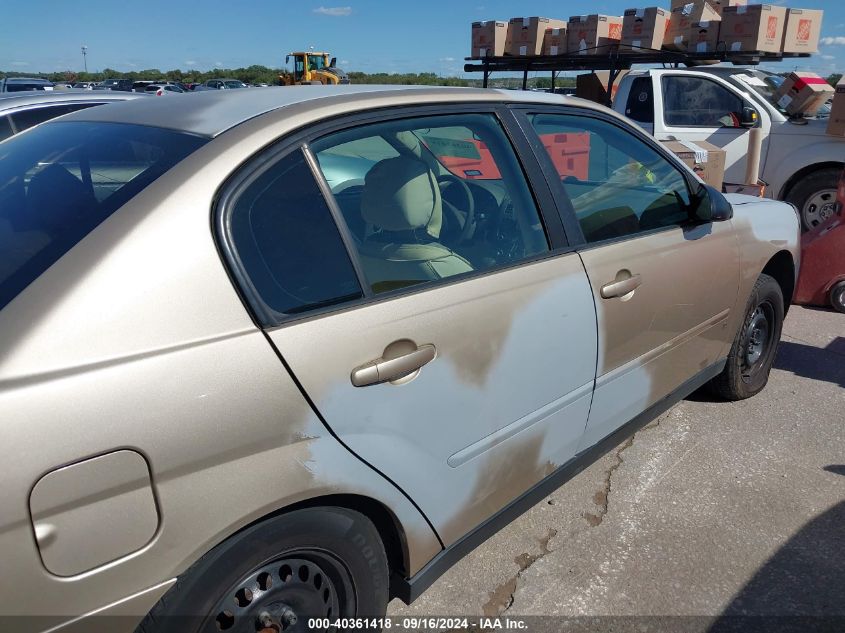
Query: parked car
[163,89]
[125,85]
[140,86]
[24,84]
[408,324]
[822,278]
[21,111]
[84,85]
[224,84]
[800,162]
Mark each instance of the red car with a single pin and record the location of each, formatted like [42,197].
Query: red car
[822,278]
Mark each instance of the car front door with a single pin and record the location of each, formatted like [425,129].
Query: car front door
[403,272]
[700,108]
[664,286]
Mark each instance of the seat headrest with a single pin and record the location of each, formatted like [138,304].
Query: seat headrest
[401,194]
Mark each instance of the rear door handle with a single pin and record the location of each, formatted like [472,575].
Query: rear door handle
[382,370]
[622,287]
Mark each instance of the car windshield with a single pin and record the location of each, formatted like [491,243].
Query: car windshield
[24,87]
[765,84]
[59,180]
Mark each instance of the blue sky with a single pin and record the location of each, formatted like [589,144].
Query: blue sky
[366,35]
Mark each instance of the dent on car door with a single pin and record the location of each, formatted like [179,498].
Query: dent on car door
[441,341]
[663,285]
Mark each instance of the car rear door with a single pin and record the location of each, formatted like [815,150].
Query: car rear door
[461,364]
[664,287]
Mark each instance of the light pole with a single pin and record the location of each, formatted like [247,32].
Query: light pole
[85,57]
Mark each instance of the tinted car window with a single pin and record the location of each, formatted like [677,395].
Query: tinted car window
[617,184]
[699,102]
[60,180]
[289,245]
[640,106]
[430,198]
[28,118]
[5,128]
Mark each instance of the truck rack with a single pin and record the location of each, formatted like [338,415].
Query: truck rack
[613,61]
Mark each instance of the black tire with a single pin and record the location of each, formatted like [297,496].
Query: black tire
[837,296]
[807,188]
[749,363]
[318,562]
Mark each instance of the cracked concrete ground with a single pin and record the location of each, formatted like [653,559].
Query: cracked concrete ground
[715,508]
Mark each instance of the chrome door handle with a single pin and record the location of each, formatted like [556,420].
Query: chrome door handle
[382,370]
[622,287]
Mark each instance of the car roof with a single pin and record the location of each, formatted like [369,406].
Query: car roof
[52,97]
[26,80]
[210,113]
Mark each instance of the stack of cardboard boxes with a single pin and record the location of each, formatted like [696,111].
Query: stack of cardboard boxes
[697,26]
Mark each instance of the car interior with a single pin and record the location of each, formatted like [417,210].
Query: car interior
[415,219]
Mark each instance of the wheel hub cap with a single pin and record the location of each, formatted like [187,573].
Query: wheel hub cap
[757,337]
[820,207]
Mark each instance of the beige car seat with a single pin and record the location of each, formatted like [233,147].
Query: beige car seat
[401,200]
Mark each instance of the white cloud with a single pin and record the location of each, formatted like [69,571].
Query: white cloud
[334,11]
[218,64]
[190,62]
[833,41]
[18,63]
[447,59]
[828,57]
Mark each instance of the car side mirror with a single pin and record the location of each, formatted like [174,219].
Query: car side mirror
[709,205]
[333,62]
[749,117]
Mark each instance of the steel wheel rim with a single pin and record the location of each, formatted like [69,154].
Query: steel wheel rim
[819,207]
[838,296]
[282,595]
[757,339]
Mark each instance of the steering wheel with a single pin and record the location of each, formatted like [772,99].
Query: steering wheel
[468,211]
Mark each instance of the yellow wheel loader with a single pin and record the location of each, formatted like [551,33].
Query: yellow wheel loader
[312,68]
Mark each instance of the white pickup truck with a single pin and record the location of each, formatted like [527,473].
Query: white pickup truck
[799,162]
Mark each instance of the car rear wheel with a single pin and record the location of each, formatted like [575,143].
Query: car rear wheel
[837,296]
[278,575]
[815,197]
[753,350]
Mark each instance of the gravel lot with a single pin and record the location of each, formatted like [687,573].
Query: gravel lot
[715,509]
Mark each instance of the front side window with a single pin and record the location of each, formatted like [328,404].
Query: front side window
[429,198]
[617,184]
[60,180]
[699,102]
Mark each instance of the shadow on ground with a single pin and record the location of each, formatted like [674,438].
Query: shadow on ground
[823,364]
[800,588]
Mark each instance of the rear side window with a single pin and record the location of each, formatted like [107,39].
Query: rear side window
[640,106]
[5,128]
[288,243]
[60,180]
[29,118]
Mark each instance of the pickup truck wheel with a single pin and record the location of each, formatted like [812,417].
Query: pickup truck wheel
[837,297]
[815,197]
[280,574]
[753,351]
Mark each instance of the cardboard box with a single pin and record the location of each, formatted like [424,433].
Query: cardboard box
[836,122]
[716,5]
[593,34]
[681,21]
[705,159]
[554,41]
[644,29]
[802,31]
[752,28]
[525,36]
[488,38]
[803,93]
[704,37]
[593,86]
